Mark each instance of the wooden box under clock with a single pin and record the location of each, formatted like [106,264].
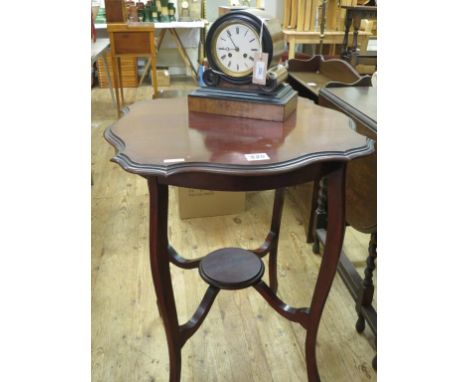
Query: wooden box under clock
[256,106]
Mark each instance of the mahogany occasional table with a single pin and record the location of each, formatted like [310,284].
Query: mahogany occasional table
[161,141]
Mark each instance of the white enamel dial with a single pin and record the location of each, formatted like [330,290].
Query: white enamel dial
[235,46]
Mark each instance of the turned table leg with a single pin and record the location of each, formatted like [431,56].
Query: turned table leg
[331,255]
[354,54]
[366,294]
[320,215]
[313,208]
[348,22]
[159,258]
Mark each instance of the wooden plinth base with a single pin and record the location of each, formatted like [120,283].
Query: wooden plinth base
[272,107]
[231,268]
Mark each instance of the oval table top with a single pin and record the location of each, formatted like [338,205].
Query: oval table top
[161,138]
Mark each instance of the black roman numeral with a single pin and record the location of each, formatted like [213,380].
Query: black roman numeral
[237,66]
[237,30]
[229,33]
[251,58]
[223,57]
[252,39]
[254,49]
[229,64]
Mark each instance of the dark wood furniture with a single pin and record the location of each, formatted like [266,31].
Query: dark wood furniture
[162,142]
[360,104]
[311,75]
[354,15]
[308,77]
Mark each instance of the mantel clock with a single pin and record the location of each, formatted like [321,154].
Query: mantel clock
[244,75]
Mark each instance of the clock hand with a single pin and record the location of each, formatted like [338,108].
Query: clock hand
[235,46]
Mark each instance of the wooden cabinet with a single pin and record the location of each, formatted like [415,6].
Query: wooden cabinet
[129,72]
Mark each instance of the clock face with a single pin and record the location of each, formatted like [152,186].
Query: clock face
[234,46]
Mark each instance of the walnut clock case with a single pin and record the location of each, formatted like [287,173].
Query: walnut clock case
[233,40]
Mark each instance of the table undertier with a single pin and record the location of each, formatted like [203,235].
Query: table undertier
[231,268]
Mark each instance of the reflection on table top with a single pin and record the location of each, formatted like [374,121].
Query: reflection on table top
[161,136]
[357,100]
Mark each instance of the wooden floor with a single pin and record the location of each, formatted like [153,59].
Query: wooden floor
[242,339]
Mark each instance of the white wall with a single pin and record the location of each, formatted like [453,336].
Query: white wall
[274,8]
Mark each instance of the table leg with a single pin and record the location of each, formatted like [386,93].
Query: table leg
[320,215]
[348,21]
[109,80]
[275,227]
[313,208]
[201,46]
[116,84]
[161,273]
[292,48]
[160,38]
[331,255]
[183,54]
[159,41]
[119,61]
[356,26]
[145,71]
[366,293]
[270,245]
[154,76]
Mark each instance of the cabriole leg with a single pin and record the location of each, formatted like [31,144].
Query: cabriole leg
[331,255]
[275,227]
[161,273]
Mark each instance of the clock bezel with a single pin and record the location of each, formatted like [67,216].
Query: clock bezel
[219,63]
[233,17]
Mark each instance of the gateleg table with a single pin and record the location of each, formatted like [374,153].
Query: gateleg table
[161,141]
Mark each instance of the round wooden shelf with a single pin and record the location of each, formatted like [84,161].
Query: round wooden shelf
[231,268]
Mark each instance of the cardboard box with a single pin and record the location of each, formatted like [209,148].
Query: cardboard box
[163,77]
[194,203]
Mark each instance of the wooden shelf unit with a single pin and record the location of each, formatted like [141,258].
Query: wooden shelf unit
[305,15]
[129,72]
[302,22]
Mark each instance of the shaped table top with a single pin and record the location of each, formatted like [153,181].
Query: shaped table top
[359,102]
[160,137]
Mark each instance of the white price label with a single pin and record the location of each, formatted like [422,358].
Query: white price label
[260,68]
[256,156]
[175,160]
